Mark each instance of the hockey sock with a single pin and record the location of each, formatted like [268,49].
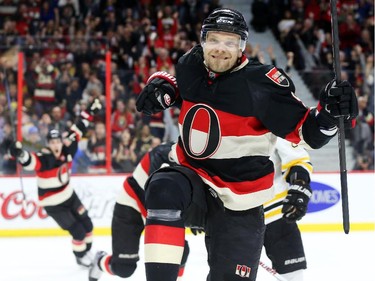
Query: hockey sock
[165,231]
[164,246]
[88,241]
[79,248]
[183,261]
[104,264]
[181,270]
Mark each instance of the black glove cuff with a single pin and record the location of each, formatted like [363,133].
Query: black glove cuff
[298,174]
[326,120]
[301,189]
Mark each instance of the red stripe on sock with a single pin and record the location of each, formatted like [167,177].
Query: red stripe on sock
[78,242]
[106,264]
[181,271]
[161,234]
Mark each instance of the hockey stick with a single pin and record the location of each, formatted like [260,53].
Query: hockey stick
[271,271]
[341,128]
[12,123]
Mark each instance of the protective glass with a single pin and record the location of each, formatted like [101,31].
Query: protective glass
[212,40]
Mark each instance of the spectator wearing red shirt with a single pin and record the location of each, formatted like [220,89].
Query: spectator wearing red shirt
[164,62]
[45,79]
[167,26]
[349,32]
[122,119]
[141,74]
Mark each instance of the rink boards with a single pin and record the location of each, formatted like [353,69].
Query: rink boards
[98,193]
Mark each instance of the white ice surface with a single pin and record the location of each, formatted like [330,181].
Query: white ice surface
[330,256]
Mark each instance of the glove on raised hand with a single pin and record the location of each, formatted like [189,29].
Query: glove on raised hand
[335,101]
[16,150]
[295,203]
[160,93]
[92,110]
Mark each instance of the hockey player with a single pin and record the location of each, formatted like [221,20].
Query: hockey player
[129,215]
[232,109]
[52,167]
[282,241]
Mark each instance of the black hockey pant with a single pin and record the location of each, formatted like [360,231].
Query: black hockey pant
[234,239]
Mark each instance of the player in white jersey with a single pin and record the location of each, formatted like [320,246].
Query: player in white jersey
[282,241]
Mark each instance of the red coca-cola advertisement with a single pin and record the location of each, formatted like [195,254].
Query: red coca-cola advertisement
[14,205]
[20,209]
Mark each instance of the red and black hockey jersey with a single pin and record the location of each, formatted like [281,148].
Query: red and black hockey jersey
[228,127]
[53,174]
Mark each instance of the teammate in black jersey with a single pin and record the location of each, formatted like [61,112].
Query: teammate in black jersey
[232,110]
[52,167]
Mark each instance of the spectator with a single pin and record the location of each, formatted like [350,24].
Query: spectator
[33,140]
[349,31]
[362,135]
[43,125]
[57,119]
[122,119]
[167,26]
[45,77]
[141,144]
[95,151]
[123,160]
[73,96]
[365,161]
[8,165]
[260,13]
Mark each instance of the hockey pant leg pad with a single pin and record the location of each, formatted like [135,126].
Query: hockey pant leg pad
[167,191]
[193,188]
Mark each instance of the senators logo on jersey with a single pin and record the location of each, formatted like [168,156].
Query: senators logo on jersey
[277,77]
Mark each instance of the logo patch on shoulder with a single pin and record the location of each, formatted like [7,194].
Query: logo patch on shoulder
[277,77]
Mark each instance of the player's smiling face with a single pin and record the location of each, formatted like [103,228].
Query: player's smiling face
[221,50]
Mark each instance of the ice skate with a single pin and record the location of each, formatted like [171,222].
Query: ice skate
[95,273]
[86,260]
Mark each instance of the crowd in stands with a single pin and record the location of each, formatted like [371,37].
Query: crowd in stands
[65,43]
[303,28]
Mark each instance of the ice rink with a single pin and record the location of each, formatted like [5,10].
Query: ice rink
[330,256]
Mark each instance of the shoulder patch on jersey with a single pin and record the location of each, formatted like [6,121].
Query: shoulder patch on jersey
[277,77]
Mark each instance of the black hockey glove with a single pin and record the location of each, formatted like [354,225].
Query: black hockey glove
[160,93]
[336,101]
[16,150]
[71,136]
[93,109]
[295,203]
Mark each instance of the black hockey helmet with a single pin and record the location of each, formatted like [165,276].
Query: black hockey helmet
[227,20]
[53,134]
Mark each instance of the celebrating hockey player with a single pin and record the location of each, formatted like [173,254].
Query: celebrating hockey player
[52,167]
[232,109]
[282,237]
